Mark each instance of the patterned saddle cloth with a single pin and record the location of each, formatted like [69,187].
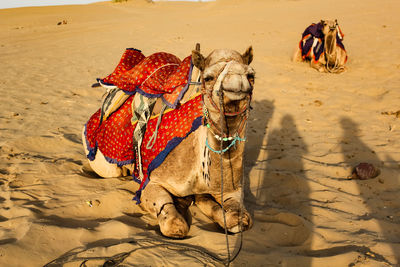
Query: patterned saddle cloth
[123,128]
[158,75]
[313,40]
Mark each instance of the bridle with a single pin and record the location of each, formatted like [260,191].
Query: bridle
[210,124]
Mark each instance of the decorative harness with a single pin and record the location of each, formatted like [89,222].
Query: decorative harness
[210,124]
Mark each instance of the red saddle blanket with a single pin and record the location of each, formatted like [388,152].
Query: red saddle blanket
[158,75]
[114,136]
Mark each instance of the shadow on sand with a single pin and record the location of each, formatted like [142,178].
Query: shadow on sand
[355,151]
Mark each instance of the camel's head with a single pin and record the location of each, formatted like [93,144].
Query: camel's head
[329,27]
[227,77]
[226,71]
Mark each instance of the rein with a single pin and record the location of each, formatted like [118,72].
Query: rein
[224,138]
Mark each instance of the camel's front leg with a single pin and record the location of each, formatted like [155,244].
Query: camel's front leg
[319,65]
[235,214]
[158,201]
[342,61]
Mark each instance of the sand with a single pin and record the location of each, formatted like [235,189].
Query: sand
[306,132]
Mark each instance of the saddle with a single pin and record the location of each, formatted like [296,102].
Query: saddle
[160,75]
[151,105]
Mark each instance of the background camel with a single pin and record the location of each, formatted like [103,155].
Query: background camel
[322,45]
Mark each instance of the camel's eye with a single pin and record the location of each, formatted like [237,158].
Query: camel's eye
[250,77]
[208,78]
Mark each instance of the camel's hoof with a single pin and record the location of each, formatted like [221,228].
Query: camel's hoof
[172,224]
[233,221]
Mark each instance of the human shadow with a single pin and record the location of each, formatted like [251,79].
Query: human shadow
[283,185]
[257,125]
[373,191]
[260,116]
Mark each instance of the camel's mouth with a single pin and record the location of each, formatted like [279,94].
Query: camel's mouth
[235,106]
[236,95]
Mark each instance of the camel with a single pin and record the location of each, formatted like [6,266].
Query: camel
[192,170]
[322,46]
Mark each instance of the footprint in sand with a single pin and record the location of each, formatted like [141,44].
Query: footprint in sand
[283,229]
[14,220]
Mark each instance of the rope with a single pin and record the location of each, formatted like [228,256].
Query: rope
[242,197]
[79,254]
[236,138]
[165,65]
[224,138]
[221,96]
[153,138]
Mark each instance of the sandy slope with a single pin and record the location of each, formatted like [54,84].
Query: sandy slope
[306,131]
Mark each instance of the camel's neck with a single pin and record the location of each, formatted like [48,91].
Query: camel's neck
[330,44]
[231,152]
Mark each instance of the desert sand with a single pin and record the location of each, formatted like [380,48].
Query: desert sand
[306,132]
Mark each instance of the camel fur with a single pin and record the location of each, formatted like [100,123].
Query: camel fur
[192,170]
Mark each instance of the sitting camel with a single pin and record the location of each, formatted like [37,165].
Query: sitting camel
[207,166]
[322,44]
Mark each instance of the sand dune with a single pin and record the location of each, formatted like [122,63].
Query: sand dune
[306,132]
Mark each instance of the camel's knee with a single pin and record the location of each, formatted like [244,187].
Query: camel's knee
[172,223]
[318,66]
[159,203]
[154,197]
[236,216]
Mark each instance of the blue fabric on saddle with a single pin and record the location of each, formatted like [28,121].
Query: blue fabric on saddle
[313,40]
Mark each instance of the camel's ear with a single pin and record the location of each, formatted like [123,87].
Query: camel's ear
[248,56]
[197,58]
